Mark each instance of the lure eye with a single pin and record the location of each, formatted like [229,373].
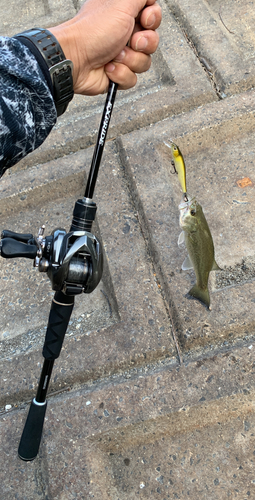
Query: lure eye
[193,212]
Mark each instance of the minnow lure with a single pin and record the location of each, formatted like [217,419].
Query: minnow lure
[179,166]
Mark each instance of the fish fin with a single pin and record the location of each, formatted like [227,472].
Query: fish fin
[215,266]
[200,294]
[187,264]
[181,239]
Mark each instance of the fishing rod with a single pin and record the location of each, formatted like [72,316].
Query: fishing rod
[74,264]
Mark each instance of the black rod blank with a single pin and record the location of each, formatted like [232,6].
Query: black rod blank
[101,138]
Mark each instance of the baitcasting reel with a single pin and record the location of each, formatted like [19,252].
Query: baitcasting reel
[73,261]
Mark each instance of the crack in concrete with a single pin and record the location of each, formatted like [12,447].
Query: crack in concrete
[42,474]
[203,61]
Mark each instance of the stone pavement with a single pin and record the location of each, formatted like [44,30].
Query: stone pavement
[153,395]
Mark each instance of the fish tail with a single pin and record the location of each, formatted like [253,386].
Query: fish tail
[200,294]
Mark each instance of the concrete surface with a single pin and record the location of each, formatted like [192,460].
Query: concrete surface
[153,395]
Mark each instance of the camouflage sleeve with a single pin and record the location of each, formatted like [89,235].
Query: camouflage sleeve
[27,109]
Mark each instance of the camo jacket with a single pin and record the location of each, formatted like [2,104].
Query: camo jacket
[27,109]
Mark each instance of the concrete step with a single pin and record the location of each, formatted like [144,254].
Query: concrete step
[153,394]
[165,432]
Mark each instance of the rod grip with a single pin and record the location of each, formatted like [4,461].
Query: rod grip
[60,313]
[32,432]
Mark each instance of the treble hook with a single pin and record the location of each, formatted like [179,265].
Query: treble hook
[173,165]
[172,161]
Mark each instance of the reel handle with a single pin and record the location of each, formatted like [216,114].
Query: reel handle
[11,249]
[16,236]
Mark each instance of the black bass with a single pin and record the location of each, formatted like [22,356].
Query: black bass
[179,166]
[198,240]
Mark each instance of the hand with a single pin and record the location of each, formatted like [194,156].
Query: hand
[95,41]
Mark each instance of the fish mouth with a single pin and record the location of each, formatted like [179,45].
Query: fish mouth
[184,208]
[186,201]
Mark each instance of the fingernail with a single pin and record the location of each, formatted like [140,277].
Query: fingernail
[141,43]
[150,20]
[110,67]
[120,56]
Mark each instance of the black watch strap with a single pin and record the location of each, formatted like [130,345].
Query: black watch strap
[59,67]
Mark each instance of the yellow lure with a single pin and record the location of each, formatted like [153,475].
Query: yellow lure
[179,165]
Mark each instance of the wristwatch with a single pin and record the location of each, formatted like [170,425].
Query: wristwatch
[52,61]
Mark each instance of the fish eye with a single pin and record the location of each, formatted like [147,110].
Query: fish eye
[193,212]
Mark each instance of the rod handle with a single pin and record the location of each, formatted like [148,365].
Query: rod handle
[60,313]
[32,432]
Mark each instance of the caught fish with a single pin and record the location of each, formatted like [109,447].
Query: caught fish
[198,240]
[179,166]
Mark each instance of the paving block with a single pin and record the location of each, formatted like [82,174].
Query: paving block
[166,432]
[219,161]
